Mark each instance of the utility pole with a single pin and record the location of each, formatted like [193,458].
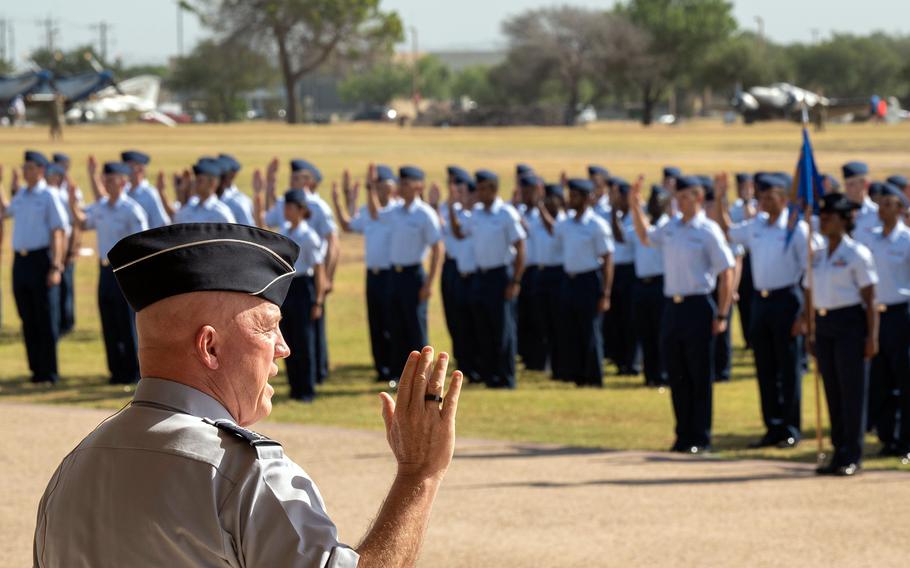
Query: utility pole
[3,39]
[50,32]
[415,77]
[103,28]
[179,29]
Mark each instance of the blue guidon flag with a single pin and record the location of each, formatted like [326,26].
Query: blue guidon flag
[807,187]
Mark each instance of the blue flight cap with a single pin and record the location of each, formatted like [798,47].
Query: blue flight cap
[207,167]
[788,179]
[889,189]
[621,185]
[53,169]
[851,169]
[295,196]
[685,182]
[876,189]
[522,169]
[529,180]
[836,203]
[135,156]
[384,173]
[671,172]
[459,175]
[900,181]
[765,181]
[583,185]
[553,190]
[61,158]
[36,158]
[833,184]
[707,182]
[229,163]
[743,177]
[595,170]
[117,168]
[411,172]
[486,175]
[305,166]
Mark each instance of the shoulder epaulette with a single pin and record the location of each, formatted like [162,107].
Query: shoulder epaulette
[253,438]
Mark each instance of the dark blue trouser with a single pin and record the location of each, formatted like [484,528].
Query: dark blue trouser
[889,378]
[532,345]
[39,309]
[407,314]
[494,327]
[648,305]
[778,360]
[299,332]
[746,291]
[67,302]
[549,284]
[322,348]
[467,360]
[580,341]
[377,287]
[840,344]
[447,282]
[620,324]
[688,347]
[118,326]
[723,347]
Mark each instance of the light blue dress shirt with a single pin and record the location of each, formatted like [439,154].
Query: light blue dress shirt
[114,221]
[465,261]
[546,247]
[37,212]
[649,261]
[775,262]
[212,210]
[838,277]
[321,219]
[867,217]
[376,237]
[694,254]
[892,263]
[310,244]
[63,195]
[148,197]
[738,210]
[451,242]
[623,253]
[494,233]
[583,242]
[240,205]
[415,227]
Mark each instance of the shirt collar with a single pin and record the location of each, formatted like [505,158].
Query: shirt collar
[695,221]
[42,184]
[181,398]
[892,236]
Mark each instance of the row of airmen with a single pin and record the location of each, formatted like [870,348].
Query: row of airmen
[538,275]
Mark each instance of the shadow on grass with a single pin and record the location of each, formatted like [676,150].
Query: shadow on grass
[791,474]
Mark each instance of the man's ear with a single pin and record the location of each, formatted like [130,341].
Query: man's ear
[207,346]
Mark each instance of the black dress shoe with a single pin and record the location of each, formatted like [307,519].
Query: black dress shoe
[848,470]
[698,450]
[677,447]
[788,442]
[826,469]
[766,441]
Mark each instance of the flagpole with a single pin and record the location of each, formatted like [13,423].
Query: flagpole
[810,305]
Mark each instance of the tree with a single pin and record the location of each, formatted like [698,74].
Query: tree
[72,62]
[682,32]
[745,60]
[304,34]
[380,83]
[217,73]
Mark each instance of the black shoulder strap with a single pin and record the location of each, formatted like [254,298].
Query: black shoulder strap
[253,438]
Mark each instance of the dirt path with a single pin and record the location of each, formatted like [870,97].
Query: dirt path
[529,505]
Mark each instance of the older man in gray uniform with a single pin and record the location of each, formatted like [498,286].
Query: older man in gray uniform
[176,479]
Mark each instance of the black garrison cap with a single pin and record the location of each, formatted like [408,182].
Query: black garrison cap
[198,257]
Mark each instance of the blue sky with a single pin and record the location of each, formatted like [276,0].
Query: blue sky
[148,35]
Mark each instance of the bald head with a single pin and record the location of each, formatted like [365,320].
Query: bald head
[224,344]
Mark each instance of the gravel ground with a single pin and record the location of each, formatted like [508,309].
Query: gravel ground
[506,504]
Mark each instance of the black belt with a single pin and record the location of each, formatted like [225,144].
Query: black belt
[553,268]
[377,270]
[27,253]
[652,279]
[573,275]
[885,308]
[767,294]
[406,268]
[680,299]
[493,269]
[823,312]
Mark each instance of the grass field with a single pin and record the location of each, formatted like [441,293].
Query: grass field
[623,415]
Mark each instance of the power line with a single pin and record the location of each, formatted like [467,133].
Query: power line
[51,31]
[103,28]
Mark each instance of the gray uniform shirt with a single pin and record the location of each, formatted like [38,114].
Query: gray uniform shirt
[159,484]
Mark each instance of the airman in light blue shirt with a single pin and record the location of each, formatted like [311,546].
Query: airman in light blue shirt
[493,233]
[892,262]
[38,213]
[583,242]
[415,227]
[694,254]
[114,219]
[778,256]
[208,210]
